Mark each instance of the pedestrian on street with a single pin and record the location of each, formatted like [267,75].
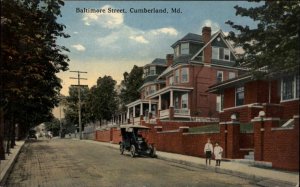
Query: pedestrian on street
[208,150]
[218,150]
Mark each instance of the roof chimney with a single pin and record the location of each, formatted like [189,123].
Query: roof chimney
[169,58]
[206,36]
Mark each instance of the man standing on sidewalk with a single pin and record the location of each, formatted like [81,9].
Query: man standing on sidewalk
[208,150]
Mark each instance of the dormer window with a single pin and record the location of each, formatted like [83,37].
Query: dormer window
[184,48]
[146,72]
[152,70]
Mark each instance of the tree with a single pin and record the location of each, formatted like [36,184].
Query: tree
[71,109]
[130,85]
[103,99]
[275,42]
[30,59]
[53,126]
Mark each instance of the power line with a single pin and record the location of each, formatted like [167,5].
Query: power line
[79,99]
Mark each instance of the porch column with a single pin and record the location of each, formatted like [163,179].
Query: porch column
[128,113]
[141,109]
[150,114]
[134,111]
[141,112]
[171,108]
[159,102]
[171,98]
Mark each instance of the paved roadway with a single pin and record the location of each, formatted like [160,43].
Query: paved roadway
[65,162]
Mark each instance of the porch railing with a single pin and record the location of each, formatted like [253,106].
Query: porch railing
[182,111]
[164,113]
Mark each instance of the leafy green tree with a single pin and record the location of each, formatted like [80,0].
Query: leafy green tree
[71,106]
[274,43]
[30,59]
[103,99]
[130,85]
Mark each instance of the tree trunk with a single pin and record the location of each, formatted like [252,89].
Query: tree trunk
[2,150]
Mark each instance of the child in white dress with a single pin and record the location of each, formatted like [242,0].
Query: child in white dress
[218,150]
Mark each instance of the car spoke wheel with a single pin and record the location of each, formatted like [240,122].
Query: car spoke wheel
[121,148]
[132,151]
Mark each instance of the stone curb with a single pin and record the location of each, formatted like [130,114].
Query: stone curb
[260,181]
[9,166]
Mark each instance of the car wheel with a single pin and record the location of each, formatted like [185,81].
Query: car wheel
[121,148]
[132,151]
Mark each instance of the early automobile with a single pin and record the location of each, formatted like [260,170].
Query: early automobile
[134,142]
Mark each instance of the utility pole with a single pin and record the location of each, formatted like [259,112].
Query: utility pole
[79,99]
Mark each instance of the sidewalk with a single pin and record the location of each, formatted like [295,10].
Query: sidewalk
[7,164]
[263,176]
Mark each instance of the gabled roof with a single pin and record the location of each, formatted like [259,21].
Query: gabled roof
[213,37]
[190,37]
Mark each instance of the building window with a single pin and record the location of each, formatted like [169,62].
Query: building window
[152,89]
[184,48]
[220,103]
[184,101]
[176,51]
[231,75]
[171,80]
[152,70]
[215,53]
[220,53]
[176,104]
[219,76]
[146,72]
[239,96]
[290,87]
[184,75]
[176,76]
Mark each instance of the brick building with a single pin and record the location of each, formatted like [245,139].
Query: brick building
[175,88]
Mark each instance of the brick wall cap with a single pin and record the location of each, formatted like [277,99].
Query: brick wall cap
[256,119]
[184,127]
[271,104]
[296,116]
[282,128]
[195,133]
[229,123]
[158,127]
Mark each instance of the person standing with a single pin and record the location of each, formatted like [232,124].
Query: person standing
[218,150]
[208,150]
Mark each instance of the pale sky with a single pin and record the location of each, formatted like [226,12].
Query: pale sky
[112,43]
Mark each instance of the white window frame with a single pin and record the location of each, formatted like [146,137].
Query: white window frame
[220,103]
[231,75]
[215,49]
[176,76]
[185,50]
[152,69]
[187,75]
[235,96]
[226,53]
[152,89]
[294,91]
[171,80]
[220,72]
[187,101]
[176,102]
[177,51]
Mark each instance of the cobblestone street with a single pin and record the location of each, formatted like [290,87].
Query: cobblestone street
[74,163]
